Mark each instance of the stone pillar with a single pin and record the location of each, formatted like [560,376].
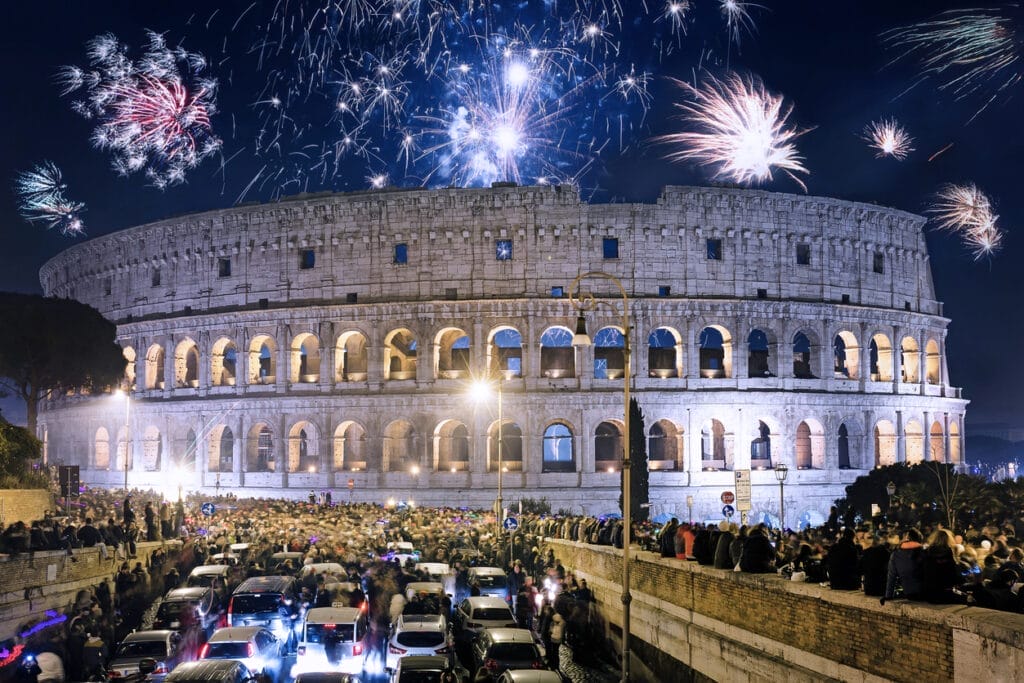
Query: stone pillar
[283,371]
[639,348]
[897,358]
[926,450]
[777,365]
[901,438]
[478,366]
[170,378]
[282,448]
[326,335]
[691,352]
[947,442]
[867,445]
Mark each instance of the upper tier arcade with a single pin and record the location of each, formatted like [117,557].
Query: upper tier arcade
[502,242]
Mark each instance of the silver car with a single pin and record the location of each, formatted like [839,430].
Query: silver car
[161,645]
[480,612]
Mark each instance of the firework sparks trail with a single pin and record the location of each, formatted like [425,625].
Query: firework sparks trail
[152,115]
[889,138]
[737,18]
[741,130]
[967,211]
[42,199]
[967,50]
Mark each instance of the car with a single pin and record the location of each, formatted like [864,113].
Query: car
[211,671]
[532,676]
[254,646]
[229,559]
[428,669]
[182,607]
[162,645]
[327,568]
[279,561]
[215,576]
[427,597]
[332,639]
[500,649]
[418,634]
[437,571]
[491,580]
[271,602]
[480,612]
[326,677]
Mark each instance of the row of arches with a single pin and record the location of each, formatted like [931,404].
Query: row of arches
[450,357]
[449,447]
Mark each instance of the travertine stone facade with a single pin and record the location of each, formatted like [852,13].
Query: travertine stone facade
[332,339]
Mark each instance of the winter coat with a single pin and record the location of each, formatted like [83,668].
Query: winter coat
[703,548]
[842,565]
[723,558]
[905,566]
[874,567]
[939,575]
[758,555]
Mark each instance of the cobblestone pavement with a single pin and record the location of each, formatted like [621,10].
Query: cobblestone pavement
[598,673]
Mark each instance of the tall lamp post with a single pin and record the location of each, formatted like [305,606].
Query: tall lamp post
[890,491]
[481,391]
[585,302]
[781,472]
[126,393]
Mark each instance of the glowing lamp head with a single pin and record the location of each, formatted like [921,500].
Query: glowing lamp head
[480,391]
[414,470]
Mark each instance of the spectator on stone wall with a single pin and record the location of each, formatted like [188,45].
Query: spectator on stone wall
[843,562]
[874,565]
[758,554]
[723,559]
[940,572]
[904,573]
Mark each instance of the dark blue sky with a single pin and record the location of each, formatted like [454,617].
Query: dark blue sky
[826,57]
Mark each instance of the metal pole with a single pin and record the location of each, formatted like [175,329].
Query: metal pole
[782,507]
[127,435]
[501,505]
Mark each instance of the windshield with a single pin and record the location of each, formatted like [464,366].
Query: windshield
[255,602]
[420,677]
[420,638]
[205,580]
[228,650]
[143,648]
[172,610]
[513,652]
[491,580]
[317,633]
[492,614]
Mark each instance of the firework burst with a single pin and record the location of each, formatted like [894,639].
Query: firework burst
[42,199]
[968,212]
[889,139]
[737,18]
[740,130]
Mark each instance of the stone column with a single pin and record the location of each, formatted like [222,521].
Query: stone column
[478,366]
[283,370]
[947,442]
[897,358]
[282,448]
[170,378]
[326,335]
[901,438]
[205,359]
[691,351]
[926,449]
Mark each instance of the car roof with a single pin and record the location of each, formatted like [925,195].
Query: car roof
[191,593]
[157,634]
[486,601]
[509,635]
[421,622]
[424,663]
[205,670]
[425,586]
[485,570]
[286,555]
[326,615]
[235,634]
[533,676]
[210,569]
[265,584]
[324,677]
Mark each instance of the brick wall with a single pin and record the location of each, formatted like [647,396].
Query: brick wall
[23,505]
[733,626]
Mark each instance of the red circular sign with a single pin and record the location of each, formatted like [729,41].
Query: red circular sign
[728,497]
[351,483]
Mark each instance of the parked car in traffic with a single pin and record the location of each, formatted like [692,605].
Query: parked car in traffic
[161,645]
[332,639]
[418,634]
[491,581]
[480,612]
[183,608]
[211,671]
[500,649]
[428,670]
[271,602]
[254,646]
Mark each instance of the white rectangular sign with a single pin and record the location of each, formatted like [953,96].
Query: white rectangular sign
[742,490]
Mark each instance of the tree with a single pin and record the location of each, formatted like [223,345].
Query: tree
[18,447]
[639,482]
[50,345]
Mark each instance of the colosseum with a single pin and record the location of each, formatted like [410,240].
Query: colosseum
[330,341]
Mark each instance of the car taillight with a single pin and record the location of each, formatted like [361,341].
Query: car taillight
[114,673]
[204,650]
[250,650]
[443,651]
[537,664]
[490,664]
[301,650]
[392,650]
[231,609]
[357,649]
[161,668]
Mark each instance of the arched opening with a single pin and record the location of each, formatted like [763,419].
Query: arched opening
[609,353]
[350,447]
[761,448]
[955,456]
[715,352]
[186,365]
[844,447]
[152,449]
[505,353]
[304,448]
[910,361]
[559,451]
[914,442]
[810,445]
[155,367]
[664,353]
[399,355]
[101,449]
[557,355]
[451,349]
[608,446]
[511,438]
[400,447]
[129,367]
[716,451]
[224,363]
[885,443]
[758,361]
[881,358]
[451,447]
[932,362]
[802,361]
[260,451]
[663,446]
[350,357]
[184,454]
[305,359]
[262,360]
[221,450]
[937,443]
[846,353]
[124,450]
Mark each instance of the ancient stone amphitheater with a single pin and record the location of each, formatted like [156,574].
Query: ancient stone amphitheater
[330,342]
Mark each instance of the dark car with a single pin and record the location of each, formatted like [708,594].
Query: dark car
[427,669]
[185,607]
[500,649]
[271,602]
[211,671]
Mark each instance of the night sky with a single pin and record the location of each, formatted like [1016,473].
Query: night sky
[825,57]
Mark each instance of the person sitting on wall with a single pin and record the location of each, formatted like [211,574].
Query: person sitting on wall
[758,553]
[843,562]
[905,563]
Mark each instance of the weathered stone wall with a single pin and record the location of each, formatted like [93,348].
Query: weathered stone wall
[24,505]
[731,626]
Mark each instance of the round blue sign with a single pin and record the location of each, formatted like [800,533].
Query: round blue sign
[728,510]
[511,523]
[208,509]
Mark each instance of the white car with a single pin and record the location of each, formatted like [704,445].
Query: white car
[326,568]
[333,639]
[254,646]
[480,612]
[418,634]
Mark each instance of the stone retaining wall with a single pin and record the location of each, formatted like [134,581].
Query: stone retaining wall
[18,505]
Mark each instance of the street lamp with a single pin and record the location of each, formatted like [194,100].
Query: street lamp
[127,432]
[890,491]
[781,472]
[481,391]
[584,302]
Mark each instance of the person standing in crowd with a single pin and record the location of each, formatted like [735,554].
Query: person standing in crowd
[555,636]
[127,514]
[149,515]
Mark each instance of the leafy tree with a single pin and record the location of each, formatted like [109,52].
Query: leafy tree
[50,345]
[639,482]
[18,447]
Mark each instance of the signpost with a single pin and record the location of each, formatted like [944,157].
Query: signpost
[351,486]
[208,509]
[743,493]
[511,524]
[728,498]
[728,511]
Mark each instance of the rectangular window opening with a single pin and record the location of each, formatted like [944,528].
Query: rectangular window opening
[878,263]
[714,249]
[401,254]
[610,247]
[803,254]
[906,305]
[665,290]
[846,298]
[451,293]
[503,250]
[557,292]
[156,277]
[351,298]
[224,267]
[762,294]
[307,259]
[107,287]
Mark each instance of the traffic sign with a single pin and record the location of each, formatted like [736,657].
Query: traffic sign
[728,511]
[351,484]
[743,490]
[208,509]
[511,524]
[728,497]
